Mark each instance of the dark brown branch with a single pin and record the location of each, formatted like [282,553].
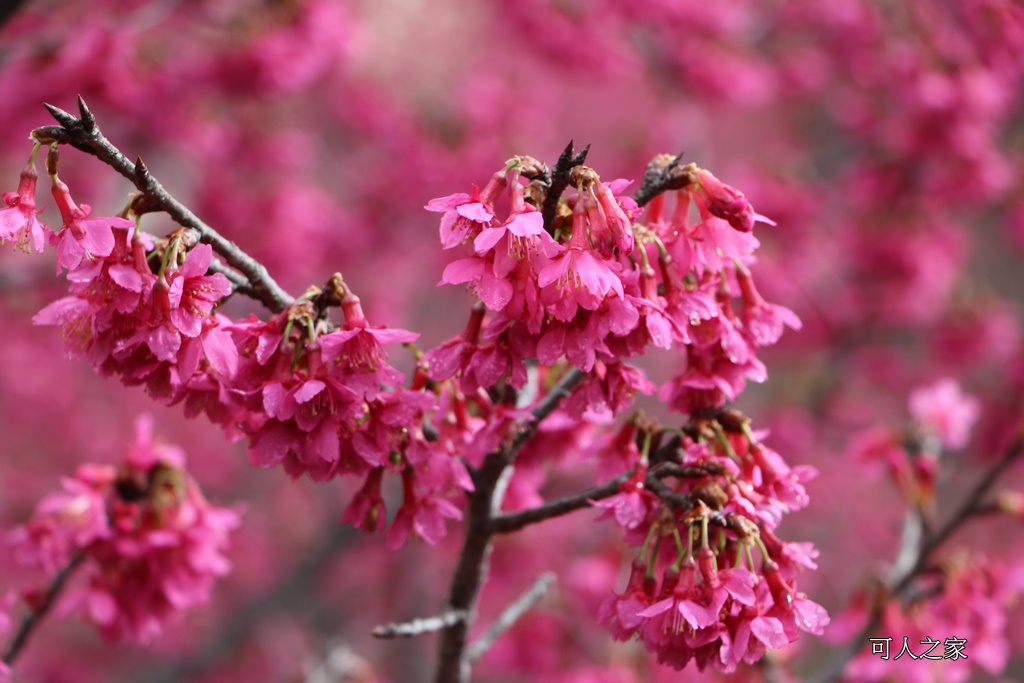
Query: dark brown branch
[662,174]
[510,616]
[567,160]
[239,284]
[416,627]
[915,553]
[32,619]
[514,521]
[484,502]
[83,134]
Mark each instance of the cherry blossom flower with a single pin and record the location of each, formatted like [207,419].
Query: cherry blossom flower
[81,238]
[150,542]
[18,221]
[579,278]
[193,293]
[726,202]
[944,410]
[465,215]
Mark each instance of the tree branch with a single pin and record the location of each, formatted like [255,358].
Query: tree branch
[510,616]
[916,551]
[663,173]
[484,502]
[514,521]
[567,160]
[973,502]
[416,627]
[32,619]
[84,134]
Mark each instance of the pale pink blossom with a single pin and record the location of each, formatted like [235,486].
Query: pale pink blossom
[944,410]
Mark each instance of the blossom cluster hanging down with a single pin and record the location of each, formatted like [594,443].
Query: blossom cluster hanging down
[312,397]
[713,584]
[148,542]
[585,280]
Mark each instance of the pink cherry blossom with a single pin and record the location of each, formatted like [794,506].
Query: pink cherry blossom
[945,411]
[193,293]
[18,221]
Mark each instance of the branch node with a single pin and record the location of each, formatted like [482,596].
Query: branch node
[142,175]
[87,119]
[63,118]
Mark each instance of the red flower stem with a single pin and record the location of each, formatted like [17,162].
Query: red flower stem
[83,134]
[34,616]
[453,665]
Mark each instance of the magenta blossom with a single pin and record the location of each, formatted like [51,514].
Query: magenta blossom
[82,238]
[193,293]
[151,544]
[725,201]
[465,215]
[579,278]
[18,222]
[421,516]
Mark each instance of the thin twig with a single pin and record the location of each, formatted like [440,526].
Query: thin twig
[84,134]
[510,616]
[32,619]
[974,501]
[484,501]
[416,627]
[567,160]
[514,521]
[912,558]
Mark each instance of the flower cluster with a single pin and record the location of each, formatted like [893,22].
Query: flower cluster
[713,583]
[592,286]
[969,596]
[314,398]
[585,287]
[596,286]
[149,543]
[942,420]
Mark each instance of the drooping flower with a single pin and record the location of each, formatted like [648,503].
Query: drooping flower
[725,201]
[421,516]
[761,320]
[578,278]
[150,543]
[18,221]
[82,238]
